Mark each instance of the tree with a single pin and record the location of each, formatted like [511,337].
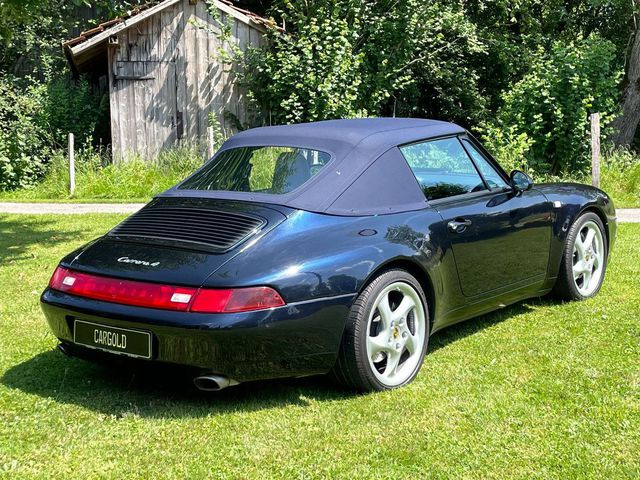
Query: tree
[345,58]
[551,104]
[626,124]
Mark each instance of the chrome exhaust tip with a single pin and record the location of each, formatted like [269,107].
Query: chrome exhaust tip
[64,348]
[213,383]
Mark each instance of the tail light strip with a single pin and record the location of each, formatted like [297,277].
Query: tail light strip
[165,297]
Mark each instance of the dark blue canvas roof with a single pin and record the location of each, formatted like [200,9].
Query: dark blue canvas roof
[367,174]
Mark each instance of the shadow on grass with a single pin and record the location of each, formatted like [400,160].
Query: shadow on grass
[456,332]
[155,391]
[161,391]
[19,233]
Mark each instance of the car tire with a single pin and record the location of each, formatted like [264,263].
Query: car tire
[584,259]
[386,335]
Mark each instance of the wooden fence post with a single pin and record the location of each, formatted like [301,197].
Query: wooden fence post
[210,142]
[72,166]
[595,150]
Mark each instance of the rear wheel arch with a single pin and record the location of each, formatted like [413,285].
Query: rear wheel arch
[416,271]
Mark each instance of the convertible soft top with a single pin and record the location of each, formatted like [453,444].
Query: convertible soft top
[367,174]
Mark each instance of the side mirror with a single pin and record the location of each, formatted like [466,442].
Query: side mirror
[520,181]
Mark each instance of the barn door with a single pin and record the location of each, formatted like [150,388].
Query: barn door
[149,119]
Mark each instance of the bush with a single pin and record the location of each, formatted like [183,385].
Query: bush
[552,103]
[355,58]
[314,74]
[35,119]
[24,140]
[508,147]
[74,107]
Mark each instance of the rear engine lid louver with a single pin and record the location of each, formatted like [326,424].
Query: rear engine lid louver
[194,224]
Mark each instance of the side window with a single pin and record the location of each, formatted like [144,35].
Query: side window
[442,168]
[489,173]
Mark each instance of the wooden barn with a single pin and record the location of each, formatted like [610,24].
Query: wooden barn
[162,65]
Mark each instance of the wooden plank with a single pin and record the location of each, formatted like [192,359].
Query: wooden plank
[191,71]
[170,105]
[181,77]
[124,119]
[243,42]
[159,43]
[138,126]
[216,71]
[166,42]
[151,98]
[114,112]
[133,45]
[204,60]
[140,17]
[223,80]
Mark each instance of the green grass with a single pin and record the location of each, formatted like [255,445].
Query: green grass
[536,390]
[98,180]
[621,178]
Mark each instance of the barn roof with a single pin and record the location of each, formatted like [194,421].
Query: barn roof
[93,41]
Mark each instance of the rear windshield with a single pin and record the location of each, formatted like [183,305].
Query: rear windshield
[274,170]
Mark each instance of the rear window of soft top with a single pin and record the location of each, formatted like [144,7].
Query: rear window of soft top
[263,169]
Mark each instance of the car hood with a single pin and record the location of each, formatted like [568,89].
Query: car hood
[177,241]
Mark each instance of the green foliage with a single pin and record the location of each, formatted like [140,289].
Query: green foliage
[352,58]
[442,66]
[32,31]
[509,147]
[513,31]
[551,104]
[24,145]
[35,119]
[526,74]
[74,107]
[315,74]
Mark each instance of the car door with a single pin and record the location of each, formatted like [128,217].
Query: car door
[500,240]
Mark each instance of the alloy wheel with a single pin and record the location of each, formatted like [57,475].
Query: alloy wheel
[588,258]
[396,332]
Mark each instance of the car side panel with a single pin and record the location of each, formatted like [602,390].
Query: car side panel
[506,242]
[314,255]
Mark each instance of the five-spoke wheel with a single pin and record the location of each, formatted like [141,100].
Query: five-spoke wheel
[386,335]
[588,258]
[396,333]
[584,259]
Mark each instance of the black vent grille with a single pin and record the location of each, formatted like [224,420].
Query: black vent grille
[192,226]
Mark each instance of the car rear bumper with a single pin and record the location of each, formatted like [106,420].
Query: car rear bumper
[294,340]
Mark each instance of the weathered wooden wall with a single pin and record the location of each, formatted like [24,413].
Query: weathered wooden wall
[166,76]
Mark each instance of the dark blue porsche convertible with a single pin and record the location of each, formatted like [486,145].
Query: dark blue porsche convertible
[332,247]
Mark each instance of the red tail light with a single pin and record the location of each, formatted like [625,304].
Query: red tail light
[167,297]
[236,300]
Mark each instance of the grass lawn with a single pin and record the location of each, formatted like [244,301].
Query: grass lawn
[536,390]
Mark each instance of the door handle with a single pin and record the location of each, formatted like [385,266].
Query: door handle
[459,225]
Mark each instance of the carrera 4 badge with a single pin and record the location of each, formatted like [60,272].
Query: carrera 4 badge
[138,262]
